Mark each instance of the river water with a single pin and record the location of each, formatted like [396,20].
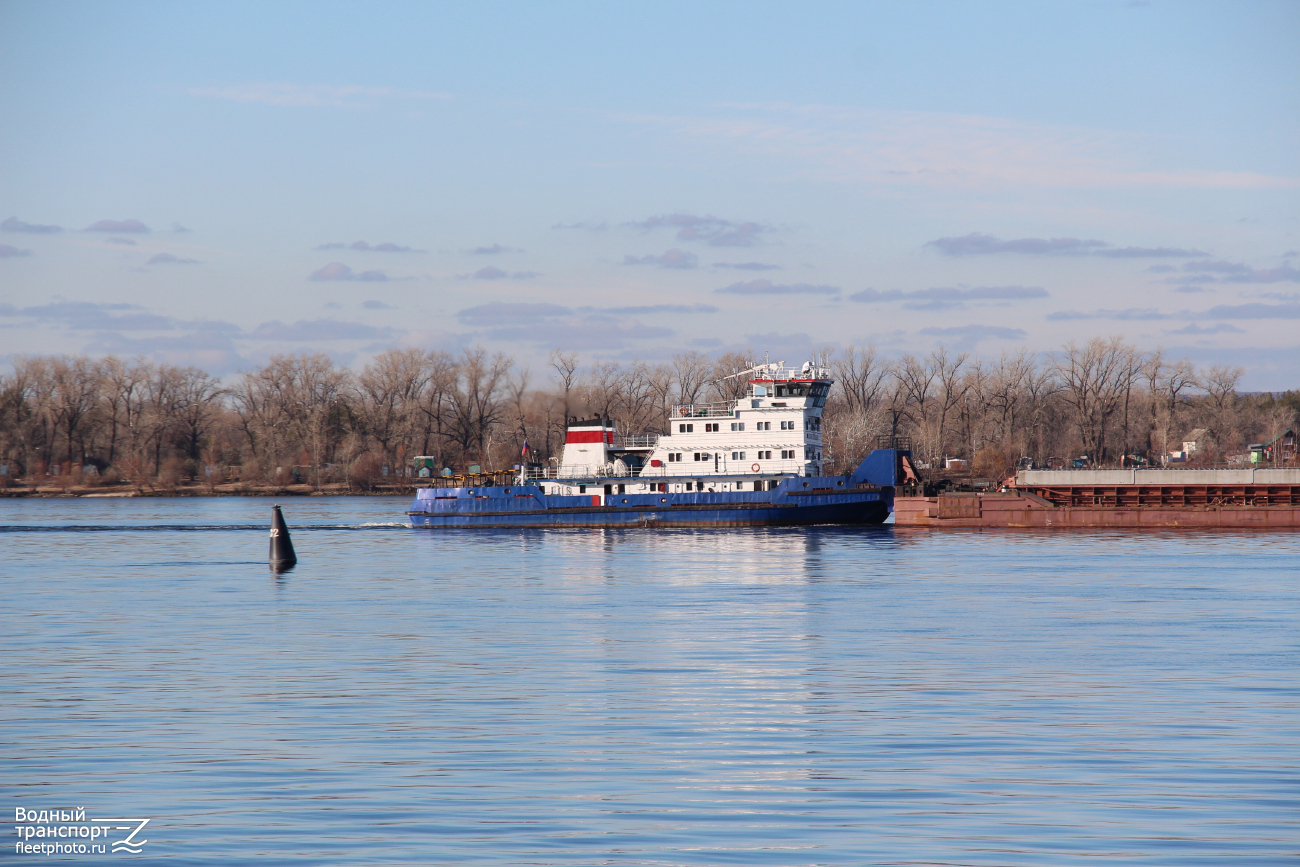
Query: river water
[732,697]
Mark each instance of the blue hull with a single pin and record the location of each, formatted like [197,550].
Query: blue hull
[527,506]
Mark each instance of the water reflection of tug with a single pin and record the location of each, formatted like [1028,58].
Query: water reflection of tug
[754,460]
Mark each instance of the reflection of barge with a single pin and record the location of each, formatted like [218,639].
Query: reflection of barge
[1246,498]
[754,460]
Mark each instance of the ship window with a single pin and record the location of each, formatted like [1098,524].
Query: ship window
[711,427]
[686,428]
[582,489]
[760,391]
[663,499]
[609,489]
[622,489]
[737,425]
[758,486]
[780,391]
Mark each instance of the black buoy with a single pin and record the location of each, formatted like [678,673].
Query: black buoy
[282,556]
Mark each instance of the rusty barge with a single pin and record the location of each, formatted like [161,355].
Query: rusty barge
[1264,498]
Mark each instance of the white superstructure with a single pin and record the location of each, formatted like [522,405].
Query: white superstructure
[773,429]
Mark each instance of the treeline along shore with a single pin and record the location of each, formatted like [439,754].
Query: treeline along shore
[301,423]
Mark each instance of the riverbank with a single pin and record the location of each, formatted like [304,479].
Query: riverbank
[54,488]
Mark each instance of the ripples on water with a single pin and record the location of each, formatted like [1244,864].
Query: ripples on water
[769,697]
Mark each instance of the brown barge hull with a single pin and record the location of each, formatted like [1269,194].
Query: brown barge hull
[1023,509]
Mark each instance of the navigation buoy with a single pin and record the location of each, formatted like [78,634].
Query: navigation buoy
[282,556]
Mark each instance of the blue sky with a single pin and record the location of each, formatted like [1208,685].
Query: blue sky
[214,183]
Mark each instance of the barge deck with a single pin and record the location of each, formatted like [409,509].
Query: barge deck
[1225,499]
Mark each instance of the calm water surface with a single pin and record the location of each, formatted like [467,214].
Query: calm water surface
[767,697]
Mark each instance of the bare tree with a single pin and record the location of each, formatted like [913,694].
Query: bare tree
[517,386]
[691,370]
[1221,382]
[390,391]
[1096,377]
[1040,388]
[436,406]
[475,402]
[149,421]
[566,368]
[122,399]
[1008,390]
[198,396]
[74,383]
[863,377]
[930,390]
[603,386]
[639,406]
[725,384]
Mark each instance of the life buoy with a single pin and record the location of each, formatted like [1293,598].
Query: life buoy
[755,468]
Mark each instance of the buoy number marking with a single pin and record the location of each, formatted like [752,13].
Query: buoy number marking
[275,531]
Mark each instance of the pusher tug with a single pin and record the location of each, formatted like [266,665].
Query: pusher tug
[756,460]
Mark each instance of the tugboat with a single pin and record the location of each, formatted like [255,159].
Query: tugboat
[755,460]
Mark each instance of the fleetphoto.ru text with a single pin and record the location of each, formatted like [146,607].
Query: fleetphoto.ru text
[70,832]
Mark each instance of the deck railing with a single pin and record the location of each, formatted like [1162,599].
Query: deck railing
[704,410]
[683,469]
[637,441]
[785,374]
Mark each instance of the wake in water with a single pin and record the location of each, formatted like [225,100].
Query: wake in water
[191,528]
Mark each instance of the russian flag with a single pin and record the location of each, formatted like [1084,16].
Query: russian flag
[524,453]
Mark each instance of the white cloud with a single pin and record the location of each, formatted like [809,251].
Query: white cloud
[310,95]
[337,272]
[847,144]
